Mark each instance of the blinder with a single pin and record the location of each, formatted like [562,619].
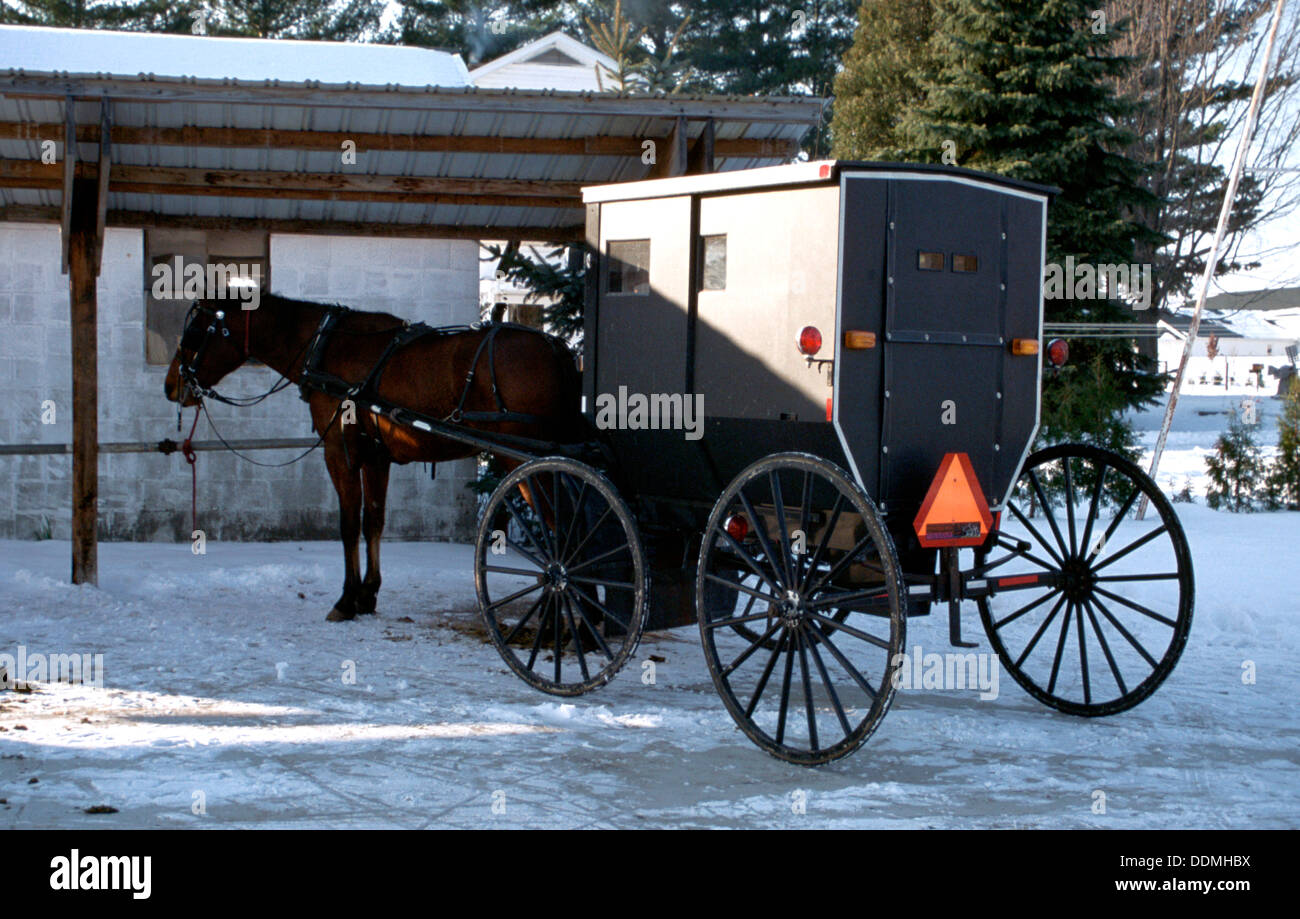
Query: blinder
[201,323]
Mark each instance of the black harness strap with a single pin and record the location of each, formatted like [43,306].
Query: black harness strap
[313,378]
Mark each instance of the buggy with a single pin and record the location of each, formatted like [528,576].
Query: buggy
[864,343]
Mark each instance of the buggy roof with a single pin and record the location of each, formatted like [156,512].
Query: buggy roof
[809,173]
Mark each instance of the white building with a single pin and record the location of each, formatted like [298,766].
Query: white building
[553,62]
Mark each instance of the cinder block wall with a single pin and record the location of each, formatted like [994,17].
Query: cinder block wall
[147,496]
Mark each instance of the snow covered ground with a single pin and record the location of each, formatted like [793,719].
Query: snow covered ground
[226,703]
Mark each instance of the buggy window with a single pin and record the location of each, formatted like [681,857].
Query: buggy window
[929,261]
[714,262]
[629,266]
[965,263]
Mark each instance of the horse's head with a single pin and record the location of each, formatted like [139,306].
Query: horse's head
[212,346]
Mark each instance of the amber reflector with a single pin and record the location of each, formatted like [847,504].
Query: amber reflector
[1024,347]
[858,340]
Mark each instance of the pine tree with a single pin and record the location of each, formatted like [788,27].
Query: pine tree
[1284,476]
[1236,469]
[90,14]
[315,20]
[636,69]
[477,30]
[771,47]
[557,276]
[884,73]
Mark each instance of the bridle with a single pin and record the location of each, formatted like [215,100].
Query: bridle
[202,324]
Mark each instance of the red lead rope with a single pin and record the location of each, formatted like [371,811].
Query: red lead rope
[187,448]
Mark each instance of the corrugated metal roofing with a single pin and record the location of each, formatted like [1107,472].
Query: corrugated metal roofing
[32,110]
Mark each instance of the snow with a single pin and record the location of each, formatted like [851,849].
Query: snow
[37,49]
[224,692]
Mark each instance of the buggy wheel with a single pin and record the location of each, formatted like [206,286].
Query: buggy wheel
[815,674]
[562,589]
[1099,604]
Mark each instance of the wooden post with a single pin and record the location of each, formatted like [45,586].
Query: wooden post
[671,156]
[83,247]
[701,157]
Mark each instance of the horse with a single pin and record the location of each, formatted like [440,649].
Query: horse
[521,383]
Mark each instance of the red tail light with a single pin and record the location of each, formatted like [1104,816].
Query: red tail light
[737,527]
[1058,352]
[810,340]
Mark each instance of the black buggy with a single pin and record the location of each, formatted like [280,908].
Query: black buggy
[865,339]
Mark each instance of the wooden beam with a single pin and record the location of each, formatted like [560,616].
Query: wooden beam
[703,151]
[566,233]
[21,213]
[85,382]
[272,184]
[101,193]
[670,153]
[69,171]
[30,213]
[268,138]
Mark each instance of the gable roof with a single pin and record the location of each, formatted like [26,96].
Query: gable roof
[552,57]
[100,52]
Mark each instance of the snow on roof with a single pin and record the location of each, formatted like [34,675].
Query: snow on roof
[35,49]
[1273,324]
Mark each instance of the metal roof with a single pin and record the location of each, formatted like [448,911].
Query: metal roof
[802,174]
[430,160]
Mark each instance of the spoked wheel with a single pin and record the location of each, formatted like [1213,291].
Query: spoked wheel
[561,576]
[804,636]
[1093,606]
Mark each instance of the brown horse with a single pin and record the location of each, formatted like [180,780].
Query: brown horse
[535,375]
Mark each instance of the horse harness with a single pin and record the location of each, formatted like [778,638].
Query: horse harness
[203,324]
[365,392]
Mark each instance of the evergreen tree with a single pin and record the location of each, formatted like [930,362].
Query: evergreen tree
[557,275]
[477,30]
[636,69]
[80,14]
[1284,477]
[315,20]
[776,47]
[1236,469]
[884,74]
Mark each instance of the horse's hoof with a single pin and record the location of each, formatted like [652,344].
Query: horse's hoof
[337,615]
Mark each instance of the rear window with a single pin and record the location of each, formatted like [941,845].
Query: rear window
[714,275]
[629,266]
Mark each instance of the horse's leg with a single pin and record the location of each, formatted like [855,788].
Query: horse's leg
[374,479]
[347,482]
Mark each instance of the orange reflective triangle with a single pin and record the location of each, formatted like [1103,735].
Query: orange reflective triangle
[954,512]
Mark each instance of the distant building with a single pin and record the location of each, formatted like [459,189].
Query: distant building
[1255,335]
[554,62]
